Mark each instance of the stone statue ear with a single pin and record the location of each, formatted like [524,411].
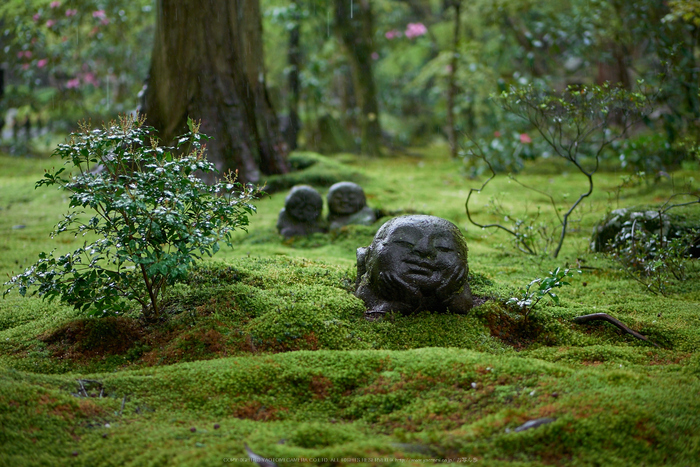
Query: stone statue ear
[361,264]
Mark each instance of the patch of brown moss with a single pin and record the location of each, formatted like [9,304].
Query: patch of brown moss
[90,338]
[255,410]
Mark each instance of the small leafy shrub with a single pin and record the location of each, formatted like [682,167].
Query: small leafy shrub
[532,233]
[530,296]
[653,259]
[647,153]
[506,149]
[151,215]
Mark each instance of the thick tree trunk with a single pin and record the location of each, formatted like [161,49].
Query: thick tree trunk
[353,25]
[207,64]
[451,85]
[294,61]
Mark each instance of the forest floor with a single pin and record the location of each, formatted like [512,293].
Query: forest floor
[266,347]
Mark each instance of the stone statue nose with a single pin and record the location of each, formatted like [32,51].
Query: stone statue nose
[424,248]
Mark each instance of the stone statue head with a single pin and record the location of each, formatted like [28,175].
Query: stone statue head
[345,198]
[415,263]
[304,204]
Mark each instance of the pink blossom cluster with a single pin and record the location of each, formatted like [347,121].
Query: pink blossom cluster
[55,4]
[415,30]
[393,34]
[24,53]
[101,15]
[71,12]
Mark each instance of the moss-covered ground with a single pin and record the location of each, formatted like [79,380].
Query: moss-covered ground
[266,346]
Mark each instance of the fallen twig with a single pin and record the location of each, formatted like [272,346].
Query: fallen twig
[613,321]
[261,461]
[123,403]
[82,387]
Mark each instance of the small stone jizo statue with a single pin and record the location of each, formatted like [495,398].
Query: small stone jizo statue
[301,213]
[347,205]
[414,263]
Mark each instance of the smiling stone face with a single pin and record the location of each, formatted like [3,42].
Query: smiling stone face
[347,204]
[345,198]
[422,257]
[301,212]
[304,203]
[415,263]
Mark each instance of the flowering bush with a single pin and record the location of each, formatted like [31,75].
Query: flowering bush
[74,58]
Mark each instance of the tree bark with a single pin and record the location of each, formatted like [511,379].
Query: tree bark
[354,28]
[207,64]
[294,61]
[451,85]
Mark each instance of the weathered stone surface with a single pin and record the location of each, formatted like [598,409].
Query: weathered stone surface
[347,204]
[414,263]
[301,213]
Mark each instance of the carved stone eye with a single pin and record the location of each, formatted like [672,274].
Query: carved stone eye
[404,243]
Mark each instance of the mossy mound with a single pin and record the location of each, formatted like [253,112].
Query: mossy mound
[404,407]
[310,168]
[270,305]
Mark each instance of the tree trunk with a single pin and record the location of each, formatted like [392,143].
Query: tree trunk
[294,61]
[451,86]
[208,64]
[353,25]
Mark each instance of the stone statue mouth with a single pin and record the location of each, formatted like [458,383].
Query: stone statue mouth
[420,267]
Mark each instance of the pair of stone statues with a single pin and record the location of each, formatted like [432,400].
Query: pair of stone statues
[301,214]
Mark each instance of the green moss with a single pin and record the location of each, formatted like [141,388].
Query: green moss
[309,168]
[269,343]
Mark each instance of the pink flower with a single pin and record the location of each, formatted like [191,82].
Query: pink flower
[71,12]
[105,21]
[496,134]
[90,78]
[36,17]
[392,34]
[525,139]
[25,66]
[375,56]
[99,14]
[42,63]
[73,83]
[50,23]
[415,30]
[55,4]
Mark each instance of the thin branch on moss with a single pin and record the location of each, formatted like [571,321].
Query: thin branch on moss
[615,322]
